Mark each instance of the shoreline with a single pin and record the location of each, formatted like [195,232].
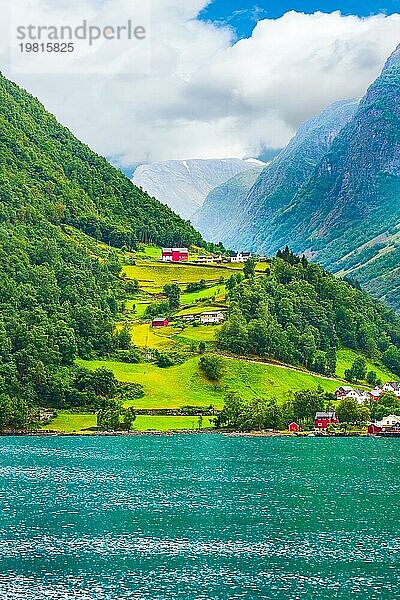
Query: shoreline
[170,433]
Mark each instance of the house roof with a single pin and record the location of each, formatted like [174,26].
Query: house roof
[393,420]
[325,415]
[376,392]
[160,320]
[185,250]
[395,385]
[212,313]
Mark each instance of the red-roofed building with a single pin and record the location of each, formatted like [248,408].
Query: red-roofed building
[294,427]
[323,419]
[160,323]
[175,255]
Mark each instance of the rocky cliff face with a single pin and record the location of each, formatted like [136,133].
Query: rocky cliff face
[347,215]
[276,186]
[184,184]
[216,219]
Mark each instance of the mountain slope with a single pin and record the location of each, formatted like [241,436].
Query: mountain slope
[57,300]
[184,184]
[347,215]
[279,181]
[216,218]
[71,184]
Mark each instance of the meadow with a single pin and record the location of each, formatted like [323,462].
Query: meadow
[346,357]
[152,276]
[218,292]
[184,384]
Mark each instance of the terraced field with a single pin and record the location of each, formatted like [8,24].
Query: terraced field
[152,276]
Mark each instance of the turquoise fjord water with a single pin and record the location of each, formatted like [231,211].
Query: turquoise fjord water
[199,517]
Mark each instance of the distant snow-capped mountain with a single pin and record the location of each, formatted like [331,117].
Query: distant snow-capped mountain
[184,184]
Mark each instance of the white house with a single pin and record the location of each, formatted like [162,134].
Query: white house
[360,395]
[375,393]
[212,317]
[343,391]
[240,257]
[388,421]
[346,391]
[392,386]
[205,259]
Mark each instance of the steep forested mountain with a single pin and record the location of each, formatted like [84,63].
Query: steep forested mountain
[184,184]
[216,219]
[347,214]
[248,226]
[57,300]
[46,168]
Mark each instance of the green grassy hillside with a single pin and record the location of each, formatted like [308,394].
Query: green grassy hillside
[184,385]
[346,357]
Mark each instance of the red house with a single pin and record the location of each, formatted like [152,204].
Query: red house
[160,323]
[323,419]
[294,427]
[175,255]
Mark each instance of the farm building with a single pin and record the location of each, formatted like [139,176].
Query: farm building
[375,393]
[159,323]
[212,317]
[323,419]
[294,427]
[175,255]
[392,386]
[240,257]
[204,260]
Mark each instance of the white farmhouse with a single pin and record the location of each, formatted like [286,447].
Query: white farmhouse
[212,317]
[388,421]
[240,257]
[360,395]
[392,386]
[346,391]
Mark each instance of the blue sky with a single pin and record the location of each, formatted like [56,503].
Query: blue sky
[242,15]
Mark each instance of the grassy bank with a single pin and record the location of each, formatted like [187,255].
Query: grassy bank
[76,423]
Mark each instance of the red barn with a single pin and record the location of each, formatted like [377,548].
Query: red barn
[160,323]
[294,427]
[323,419]
[175,254]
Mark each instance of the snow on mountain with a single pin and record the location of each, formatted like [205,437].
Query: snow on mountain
[184,184]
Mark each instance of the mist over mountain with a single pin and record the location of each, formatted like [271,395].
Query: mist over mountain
[217,218]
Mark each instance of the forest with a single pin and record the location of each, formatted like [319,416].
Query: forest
[58,301]
[300,314]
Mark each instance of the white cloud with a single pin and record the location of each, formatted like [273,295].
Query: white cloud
[207,96]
